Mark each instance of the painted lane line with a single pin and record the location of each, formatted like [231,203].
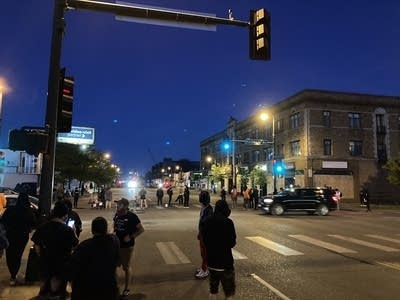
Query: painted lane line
[395,266]
[171,253]
[281,249]
[383,238]
[364,243]
[270,287]
[322,244]
[179,254]
[237,255]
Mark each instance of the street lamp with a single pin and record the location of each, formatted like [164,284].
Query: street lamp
[264,116]
[3,89]
[107,155]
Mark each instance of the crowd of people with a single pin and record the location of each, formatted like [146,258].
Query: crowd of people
[90,265]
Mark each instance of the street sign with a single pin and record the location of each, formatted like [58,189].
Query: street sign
[77,136]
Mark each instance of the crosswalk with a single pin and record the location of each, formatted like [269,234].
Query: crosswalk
[334,243]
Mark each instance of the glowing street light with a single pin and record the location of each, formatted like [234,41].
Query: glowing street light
[264,116]
[4,88]
[107,155]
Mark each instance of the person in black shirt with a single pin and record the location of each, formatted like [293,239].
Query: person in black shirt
[73,216]
[53,242]
[93,265]
[127,227]
[219,238]
[18,221]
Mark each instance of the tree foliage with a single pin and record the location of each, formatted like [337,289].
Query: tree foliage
[219,173]
[258,177]
[88,165]
[393,168]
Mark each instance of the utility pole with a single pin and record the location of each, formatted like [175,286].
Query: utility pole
[47,174]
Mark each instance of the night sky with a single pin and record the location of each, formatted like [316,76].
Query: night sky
[153,92]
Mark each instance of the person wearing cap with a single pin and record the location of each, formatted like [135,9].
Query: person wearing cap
[127,228]
[219,238]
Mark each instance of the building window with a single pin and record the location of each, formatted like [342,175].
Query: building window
[295,120]
[326,115]
[355,148]
[295,148]
[327,147]
[380,124]
[269,153]
[279,125]
[256,156]
[354,120]
[382,158]
[246,157]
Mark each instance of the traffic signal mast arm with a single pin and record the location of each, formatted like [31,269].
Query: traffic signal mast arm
[253,141]
[152,13]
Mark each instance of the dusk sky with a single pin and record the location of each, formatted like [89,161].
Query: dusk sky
[152,92]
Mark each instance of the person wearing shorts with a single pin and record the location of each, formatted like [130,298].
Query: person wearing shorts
[127,228]
[219,237]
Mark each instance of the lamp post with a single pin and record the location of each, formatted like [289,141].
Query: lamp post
[264,117]
[3,89]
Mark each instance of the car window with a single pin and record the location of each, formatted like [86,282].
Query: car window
[307,193]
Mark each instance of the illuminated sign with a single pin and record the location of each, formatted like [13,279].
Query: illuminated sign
[78,136]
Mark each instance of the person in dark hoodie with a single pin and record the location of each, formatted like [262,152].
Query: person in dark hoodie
[205,212]
[18,221]
[219,238]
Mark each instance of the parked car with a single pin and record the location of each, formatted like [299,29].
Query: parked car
[311,200]
[12,196]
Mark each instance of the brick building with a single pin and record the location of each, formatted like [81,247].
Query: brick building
[322,138]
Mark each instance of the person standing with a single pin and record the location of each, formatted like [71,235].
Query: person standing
[186,195]
[246,197]
[205,212]
[93,265]
[234,196]
[255,195]
[366,199]
[219,237]
[170,193]
[73,216]
[127,227]
[18,222]
[142,195]
[223,194]
[53,242]
[160,195]
[108,196]
[102,198]
[76,197]
[338,195]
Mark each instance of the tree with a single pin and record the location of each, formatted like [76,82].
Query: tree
[219,173]
[393,168]
[258,176]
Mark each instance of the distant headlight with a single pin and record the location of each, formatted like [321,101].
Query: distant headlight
[268,201]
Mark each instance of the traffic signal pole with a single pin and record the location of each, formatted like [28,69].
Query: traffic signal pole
[47,173]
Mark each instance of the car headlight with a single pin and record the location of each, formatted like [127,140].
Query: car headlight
[268,201]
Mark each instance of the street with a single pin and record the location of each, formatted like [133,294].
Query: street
[349,254]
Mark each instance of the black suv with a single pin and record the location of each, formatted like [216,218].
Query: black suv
[311,200]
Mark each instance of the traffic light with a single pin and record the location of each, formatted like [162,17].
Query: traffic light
[226,146]
[65,102]
[31,140]
[260,35]
[279,167]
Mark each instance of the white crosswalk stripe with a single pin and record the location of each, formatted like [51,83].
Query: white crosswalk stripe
[383,238]
[281,249]
[364,243]
[171,253]
[322,244]
[237,255]
[392,265]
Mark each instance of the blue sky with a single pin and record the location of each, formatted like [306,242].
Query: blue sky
[146,87]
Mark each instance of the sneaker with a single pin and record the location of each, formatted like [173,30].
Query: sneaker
[125,293]
[13,282]
[202,274]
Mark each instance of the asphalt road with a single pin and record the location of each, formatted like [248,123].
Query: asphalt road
[345,255]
